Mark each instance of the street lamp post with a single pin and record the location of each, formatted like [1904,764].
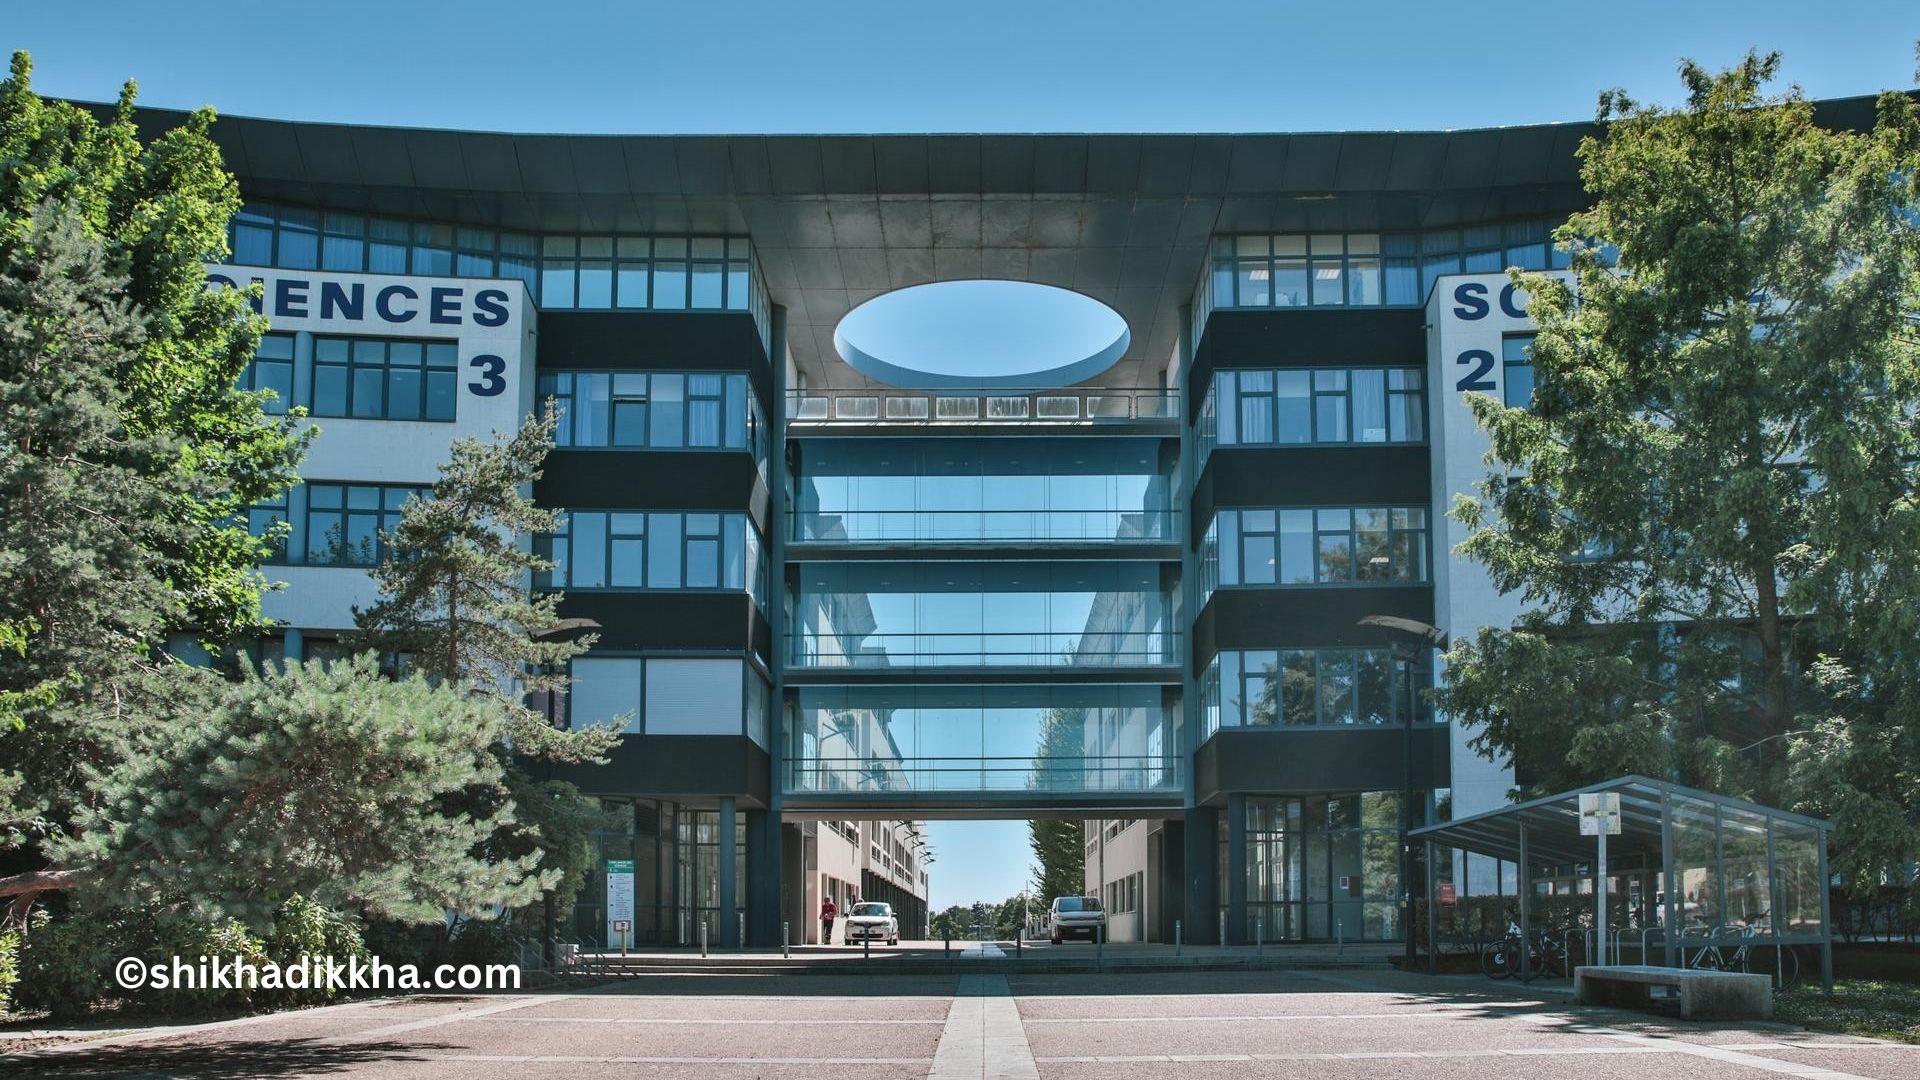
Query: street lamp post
[1436,638]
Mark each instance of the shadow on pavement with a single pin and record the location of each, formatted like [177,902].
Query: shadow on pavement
[215,1061]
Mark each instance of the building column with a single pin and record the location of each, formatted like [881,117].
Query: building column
[1200,925]
[765,889]
[294,644]
[1237,932]
[729,850]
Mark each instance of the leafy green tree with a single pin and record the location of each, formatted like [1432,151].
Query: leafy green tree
[1058,844]
[159,212]
[327,781]
[455,605]
[1710,503]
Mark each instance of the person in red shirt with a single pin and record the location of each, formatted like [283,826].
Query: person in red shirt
[827,914]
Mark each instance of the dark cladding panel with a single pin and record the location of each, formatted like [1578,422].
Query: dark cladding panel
[953,164]
[671,621]
[1275,761]
[1311,476]
[653,480]
[327,151]
[1302,617]
[677,766]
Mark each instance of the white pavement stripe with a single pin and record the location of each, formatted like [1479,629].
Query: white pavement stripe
[633,1059]
[446,1018]
[983,1037]
[1703,1050]
[1449,1014]
[1128,1059]
[711,1023]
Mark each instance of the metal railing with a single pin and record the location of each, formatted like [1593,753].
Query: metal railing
[1085,773]
[1120,648]
[984,526]
[981,406]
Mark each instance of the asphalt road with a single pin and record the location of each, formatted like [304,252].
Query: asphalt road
[1185,1026]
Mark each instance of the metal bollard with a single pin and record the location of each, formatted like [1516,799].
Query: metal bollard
[740,941]
[1176,937]
[703,939]
[1099,946]
[866,946]
[1339,937]
[1017,946]
[1223,929]
[1259,936]
[786,940]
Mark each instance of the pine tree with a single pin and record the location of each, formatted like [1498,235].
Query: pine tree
[81,499]
[456,606]
[326,780]
[1723,426]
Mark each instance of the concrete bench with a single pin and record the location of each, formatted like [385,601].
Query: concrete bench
[1704,995]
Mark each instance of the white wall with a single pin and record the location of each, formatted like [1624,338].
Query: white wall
[1467,314]
[485,317]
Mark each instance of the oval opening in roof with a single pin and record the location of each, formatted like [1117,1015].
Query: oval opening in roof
[988,334]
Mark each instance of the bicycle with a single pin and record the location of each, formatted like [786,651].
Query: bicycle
[1543,955]
[1742,957]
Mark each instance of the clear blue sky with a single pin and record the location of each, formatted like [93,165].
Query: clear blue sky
[985,65]
[977,860]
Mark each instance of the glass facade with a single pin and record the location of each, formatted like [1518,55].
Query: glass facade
[1325,269]
[1322,546]
[668,696]
[1317,406]
[1000,490]
[381,379]
[1058,739]
[346,524]
[1322,867]
[1313,688]
[1517,368]
[272,369]
[654,273]
[675,851]
[654,410]
[985,614]
[618,549]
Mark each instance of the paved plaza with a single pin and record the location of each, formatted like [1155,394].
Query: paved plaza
[1197,1025]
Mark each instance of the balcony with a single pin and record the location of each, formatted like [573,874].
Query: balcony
[1057,775]
[1028,649]
[997,406]
[968,526]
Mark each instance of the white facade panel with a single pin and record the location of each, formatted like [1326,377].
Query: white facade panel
[1467,318]
[492,324]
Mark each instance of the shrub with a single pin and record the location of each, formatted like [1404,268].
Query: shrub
[9,967]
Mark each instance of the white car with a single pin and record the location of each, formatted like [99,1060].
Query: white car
[1074,916]
[871,921]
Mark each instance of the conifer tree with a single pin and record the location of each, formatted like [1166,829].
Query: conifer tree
[456,605]
[81,499]
[325,780]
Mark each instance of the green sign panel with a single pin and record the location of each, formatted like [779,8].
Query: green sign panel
[619,866]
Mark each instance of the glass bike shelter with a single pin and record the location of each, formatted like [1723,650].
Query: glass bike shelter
[1688,871]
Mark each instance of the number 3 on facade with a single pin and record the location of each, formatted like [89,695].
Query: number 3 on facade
[493,375]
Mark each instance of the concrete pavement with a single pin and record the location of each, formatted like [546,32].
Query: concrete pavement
[1198,1025]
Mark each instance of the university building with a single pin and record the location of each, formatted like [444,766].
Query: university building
[838,595]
